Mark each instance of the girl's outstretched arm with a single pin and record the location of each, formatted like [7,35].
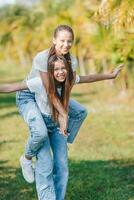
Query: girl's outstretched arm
[99,77]
[12,87]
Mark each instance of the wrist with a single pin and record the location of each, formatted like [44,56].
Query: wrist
[64,114]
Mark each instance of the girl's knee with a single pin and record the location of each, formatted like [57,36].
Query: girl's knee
[37,130]
[80,114]
[64,172]
[62,168]
[84,112]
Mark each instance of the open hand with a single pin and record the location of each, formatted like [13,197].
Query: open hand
[117,70]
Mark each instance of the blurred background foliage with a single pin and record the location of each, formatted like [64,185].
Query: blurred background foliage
[104,37]
[104,34]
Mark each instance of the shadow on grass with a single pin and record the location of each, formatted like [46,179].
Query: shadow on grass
[83,97]
[101,180]
[83,94]
[7,100]
[9,114]
[12,185]
[8,142]
[89,180]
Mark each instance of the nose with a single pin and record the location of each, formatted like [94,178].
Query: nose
[66,44]
[61,71]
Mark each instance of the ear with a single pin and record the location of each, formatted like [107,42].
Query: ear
[54,40]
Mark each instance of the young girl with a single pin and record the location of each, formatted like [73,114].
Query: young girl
[52,176]
[62,42]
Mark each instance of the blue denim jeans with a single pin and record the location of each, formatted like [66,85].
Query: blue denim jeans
[51,169]
[39,142]
[30,112]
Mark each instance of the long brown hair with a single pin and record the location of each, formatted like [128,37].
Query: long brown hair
[65,86]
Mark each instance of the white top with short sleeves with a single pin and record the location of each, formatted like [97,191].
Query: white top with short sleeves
[35,85]
[40,64]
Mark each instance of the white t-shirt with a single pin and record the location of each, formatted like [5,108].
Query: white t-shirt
[40,64]
[35,85]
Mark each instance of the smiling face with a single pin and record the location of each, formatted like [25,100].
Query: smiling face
[60,71]
[63,42]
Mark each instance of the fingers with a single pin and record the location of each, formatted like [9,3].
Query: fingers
[63,131]
[120,66]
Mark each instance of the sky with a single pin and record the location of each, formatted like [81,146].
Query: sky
[3,2]
[25,2]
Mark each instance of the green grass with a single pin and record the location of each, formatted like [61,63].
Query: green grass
[101,161]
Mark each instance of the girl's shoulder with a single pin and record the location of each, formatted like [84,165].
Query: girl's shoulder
[42,54]
[40,60]
[74,62]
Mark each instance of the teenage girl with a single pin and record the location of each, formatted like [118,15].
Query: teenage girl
[52,172]
[61,44]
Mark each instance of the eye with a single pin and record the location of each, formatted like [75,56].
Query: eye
[63,68]
[56,69]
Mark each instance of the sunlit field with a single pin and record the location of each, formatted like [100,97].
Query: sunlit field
[101,160]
